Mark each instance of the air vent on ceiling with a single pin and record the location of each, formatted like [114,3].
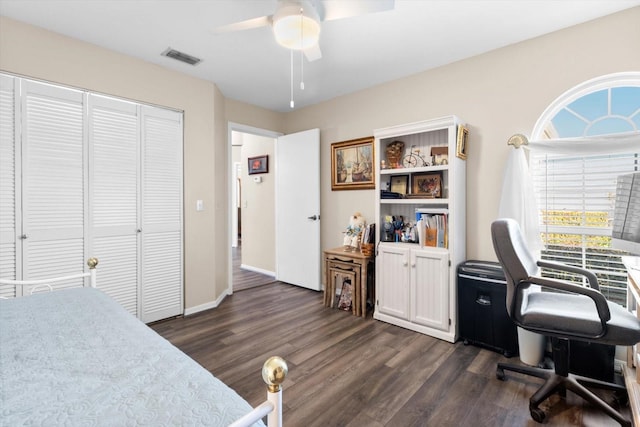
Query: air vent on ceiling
[180,56]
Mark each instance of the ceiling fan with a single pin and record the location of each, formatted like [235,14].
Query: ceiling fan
[296,23]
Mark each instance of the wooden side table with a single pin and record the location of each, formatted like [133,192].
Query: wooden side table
[353,265]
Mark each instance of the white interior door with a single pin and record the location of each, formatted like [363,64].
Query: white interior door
[161,293]
[298,209]
[9,203]
[114,141]
[53,181]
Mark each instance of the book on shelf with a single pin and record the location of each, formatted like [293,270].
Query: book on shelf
[432,227]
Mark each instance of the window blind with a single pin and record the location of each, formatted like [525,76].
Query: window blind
[576,195]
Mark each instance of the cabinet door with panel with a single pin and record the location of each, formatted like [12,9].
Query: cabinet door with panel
[393,277]
[430,288]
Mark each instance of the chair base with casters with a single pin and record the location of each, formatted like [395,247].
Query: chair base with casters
[559,380]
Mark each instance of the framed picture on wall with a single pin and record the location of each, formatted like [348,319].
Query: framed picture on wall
[258,164]
[461,145]
[352,164]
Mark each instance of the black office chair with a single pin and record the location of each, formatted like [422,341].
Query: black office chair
[570,312]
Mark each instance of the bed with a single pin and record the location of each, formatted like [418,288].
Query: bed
[76,357]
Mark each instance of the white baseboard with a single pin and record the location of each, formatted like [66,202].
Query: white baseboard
[258,270]
[207,306]
[213,304]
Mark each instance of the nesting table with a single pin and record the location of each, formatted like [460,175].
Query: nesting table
[354,266]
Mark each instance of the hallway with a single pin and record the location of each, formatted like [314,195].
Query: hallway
[246,279]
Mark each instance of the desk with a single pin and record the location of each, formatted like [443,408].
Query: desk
[355,266]
[631,371]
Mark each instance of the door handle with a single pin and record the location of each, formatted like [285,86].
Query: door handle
[483,300]
[314,217]
[23,237]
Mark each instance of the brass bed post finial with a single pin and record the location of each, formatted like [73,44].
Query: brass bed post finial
[92,263]
[274,371]
[518,140]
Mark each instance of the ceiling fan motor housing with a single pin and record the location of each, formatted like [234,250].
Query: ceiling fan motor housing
[296,25]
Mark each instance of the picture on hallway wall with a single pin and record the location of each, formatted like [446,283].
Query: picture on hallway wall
[258,164]
[352,164]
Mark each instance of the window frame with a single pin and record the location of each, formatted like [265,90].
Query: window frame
[607,267]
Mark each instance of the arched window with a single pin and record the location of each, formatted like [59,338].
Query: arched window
[575,188]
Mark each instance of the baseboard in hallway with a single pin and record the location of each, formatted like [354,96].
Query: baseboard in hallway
[245,279]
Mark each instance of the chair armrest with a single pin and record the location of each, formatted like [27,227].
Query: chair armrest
[591,277]
[602,306]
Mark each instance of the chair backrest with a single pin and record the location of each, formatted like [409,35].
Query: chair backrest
[513,254]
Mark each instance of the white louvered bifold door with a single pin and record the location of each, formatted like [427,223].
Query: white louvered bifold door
[9,260]
[53,181]
[161,290]
[114,141]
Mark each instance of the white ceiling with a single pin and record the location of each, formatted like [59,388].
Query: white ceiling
[357,52]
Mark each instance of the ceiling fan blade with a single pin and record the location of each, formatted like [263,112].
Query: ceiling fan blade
[313,53]
[338,9]
[249,24]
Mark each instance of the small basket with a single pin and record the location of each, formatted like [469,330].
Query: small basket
[367,249]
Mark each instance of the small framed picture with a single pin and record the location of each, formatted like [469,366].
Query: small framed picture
[461,145]
[427,185]
[399,184]
[258,164]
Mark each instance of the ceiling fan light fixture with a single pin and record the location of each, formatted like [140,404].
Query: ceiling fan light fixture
[296,26]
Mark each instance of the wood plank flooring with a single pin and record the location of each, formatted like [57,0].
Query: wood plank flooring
[349,371]
[246,279]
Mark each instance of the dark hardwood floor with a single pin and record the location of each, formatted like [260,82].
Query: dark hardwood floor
[245,279]
[349,371]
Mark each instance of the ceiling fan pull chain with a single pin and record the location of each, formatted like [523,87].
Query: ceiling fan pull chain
[291,103]
[301,50]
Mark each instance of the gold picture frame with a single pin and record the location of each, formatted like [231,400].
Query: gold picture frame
[461,144]
[427,185]
[353,164]
[399,184]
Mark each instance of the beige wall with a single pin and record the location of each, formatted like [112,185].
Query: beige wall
[499,93]
[258,209]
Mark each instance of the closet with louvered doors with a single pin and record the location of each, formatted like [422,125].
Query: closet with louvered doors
[89,175]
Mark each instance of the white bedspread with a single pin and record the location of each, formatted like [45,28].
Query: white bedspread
[76,358]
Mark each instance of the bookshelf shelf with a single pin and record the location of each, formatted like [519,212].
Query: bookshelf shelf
[404,171]
[413,202]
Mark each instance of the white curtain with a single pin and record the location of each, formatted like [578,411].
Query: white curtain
[518,201]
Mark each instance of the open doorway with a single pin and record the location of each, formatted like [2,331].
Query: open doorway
[252,209]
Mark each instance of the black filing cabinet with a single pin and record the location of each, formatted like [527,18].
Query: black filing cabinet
[482,313]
